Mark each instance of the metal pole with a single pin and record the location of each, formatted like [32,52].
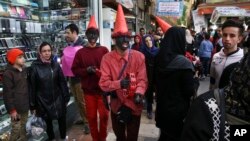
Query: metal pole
[95,10]
[136,14]
[100,19]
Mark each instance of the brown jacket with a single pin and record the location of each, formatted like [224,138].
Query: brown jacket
[15,90]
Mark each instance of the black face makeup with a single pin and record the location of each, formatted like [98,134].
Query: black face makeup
[122,42]
[92,35]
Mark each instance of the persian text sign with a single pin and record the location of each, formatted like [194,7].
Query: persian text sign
[169,8]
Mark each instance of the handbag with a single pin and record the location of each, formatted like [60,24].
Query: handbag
[124,114]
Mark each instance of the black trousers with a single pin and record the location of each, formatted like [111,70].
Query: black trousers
[126,132]
[150,98]
[62,127]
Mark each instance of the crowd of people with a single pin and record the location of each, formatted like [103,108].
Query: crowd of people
[164,67]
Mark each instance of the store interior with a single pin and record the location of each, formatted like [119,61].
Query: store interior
[24,24]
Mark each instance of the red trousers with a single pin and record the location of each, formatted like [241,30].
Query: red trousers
[94,104]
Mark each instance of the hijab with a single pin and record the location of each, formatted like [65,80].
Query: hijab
[136,46]
[173,44]
[149,52]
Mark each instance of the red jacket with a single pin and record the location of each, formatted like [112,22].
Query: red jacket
[110,68]
[84,58]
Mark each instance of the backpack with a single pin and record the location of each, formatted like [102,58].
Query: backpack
[238,91]
[225,118]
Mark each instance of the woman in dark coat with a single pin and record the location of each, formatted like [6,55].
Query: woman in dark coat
[49,93]
[150,51]
[174,84]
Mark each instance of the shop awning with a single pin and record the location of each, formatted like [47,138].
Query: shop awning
[227,11]
[208,8]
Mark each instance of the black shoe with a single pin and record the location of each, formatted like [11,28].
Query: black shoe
[86,129]
[150,115]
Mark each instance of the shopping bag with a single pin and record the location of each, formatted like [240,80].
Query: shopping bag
[35,126]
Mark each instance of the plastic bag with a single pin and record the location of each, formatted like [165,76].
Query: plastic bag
[35,126]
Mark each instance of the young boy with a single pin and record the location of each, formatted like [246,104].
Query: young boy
[15,94]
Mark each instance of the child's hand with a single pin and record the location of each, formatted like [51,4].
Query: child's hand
[14,116]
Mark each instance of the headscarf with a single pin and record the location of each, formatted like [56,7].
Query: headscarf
[149,52]
[173,44]
[189,37]
[137,46]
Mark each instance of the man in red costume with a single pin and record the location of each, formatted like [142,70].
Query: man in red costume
[125,108]
[86,65]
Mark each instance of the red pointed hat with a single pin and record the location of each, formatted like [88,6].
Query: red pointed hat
[121,28]
[92,23]
[164,25]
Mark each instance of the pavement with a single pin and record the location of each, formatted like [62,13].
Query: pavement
[148,130]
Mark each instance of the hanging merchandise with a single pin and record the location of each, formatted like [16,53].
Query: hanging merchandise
[21,12]
[13,11]
[4,10]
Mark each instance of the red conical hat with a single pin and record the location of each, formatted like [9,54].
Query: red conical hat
[92,23]
[120,24]
[163,24]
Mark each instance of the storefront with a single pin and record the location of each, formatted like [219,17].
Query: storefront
[24,24]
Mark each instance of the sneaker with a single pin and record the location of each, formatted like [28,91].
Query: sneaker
[86,129]
[149,115]
[203,78]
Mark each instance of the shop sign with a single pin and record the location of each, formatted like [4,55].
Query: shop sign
[227,12]
[170,8]
[214,1]
[126,3]
[199,21]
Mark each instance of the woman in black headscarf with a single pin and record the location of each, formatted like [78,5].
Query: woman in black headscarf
[150,51]
[174,84]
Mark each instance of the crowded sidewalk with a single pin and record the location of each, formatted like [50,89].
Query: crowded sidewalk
[148,130]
